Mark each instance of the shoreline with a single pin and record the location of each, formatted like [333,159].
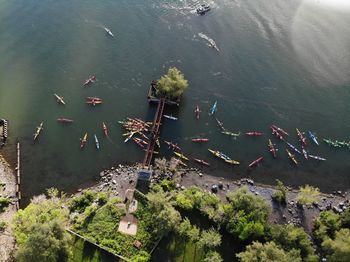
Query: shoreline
[8,180]
[118,179]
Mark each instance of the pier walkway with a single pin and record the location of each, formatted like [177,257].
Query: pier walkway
[154,134]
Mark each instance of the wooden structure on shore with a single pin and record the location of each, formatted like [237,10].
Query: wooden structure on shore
[3,131]
[18,174]
[154,134]
[151,97]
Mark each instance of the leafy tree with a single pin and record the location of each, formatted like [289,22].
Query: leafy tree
[186,230]
[184,202]
[338,250]
[164,215]
[308,195]
[167,185]
[212,256]
[142,256]
[280,195]
[47,242]
[210,239]
[246,214]
[326,225]
[79,203]
[290,237]
[4,202]
[345,218]
[171,85]
[268,252]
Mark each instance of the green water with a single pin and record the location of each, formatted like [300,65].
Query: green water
[281,62]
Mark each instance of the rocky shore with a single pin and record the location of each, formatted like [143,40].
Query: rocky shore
[7,189]
[118,179]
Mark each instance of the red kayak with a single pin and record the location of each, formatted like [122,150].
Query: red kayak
[254,133]
[65,120]
[280,130]
[197,112]
[172,145]
[83,141]
[200,161]
[105,129]
[276,133]
[200,139]
[94,102]
[138,142]
[90,80]
[272,149]
[256,161]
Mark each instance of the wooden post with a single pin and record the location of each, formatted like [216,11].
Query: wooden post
[18,170]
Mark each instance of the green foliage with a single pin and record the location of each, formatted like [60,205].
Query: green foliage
[345,218]
[210,239]
[4,203]
[102,198]
[184,202]
[326,225]
[143,256]
[47,242]
[338,250]
[308,195]
[290,237]
[2,225]
[40,211]
[280,195]
[212,256]
[79,203]
[164,216]
[246,214]
[188,231]
[268,252]
[167,185]
[171,85]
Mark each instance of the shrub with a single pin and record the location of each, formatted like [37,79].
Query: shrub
[79,203]
[308,195]
[338,249]
[326,225]
[2,225]
[4,203]
[171,85]
[280,195]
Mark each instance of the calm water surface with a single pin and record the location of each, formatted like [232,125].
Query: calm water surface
[281,62]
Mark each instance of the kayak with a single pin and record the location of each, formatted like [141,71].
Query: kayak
[90,80]
[317,158]
[59,99]
[109,32]
[214,108]
[292,157]
[200,139]
[231,133]
[38,130]
[272,149]
[83,141]
[170,117]
[64,120]
[138,142]
[221,124]
[223,157]
[302,139]
[93,98]
[313,137]
[232,162]
[96,142]
[304,153]
[172,145]
[94,102]
[130,135]
[254,133]
[105,129]
[276,133]
[141,141]
[200,161]
[180,162]
[197,112]
[256,161]
[181,155]
[280,130]
[332,143]
[294,148]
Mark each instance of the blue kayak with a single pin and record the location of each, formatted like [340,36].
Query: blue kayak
[313,137]
[213,108]
[96,142]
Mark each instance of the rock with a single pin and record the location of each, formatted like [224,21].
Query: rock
[114,181]
[341,204]
[177,185]
[120,166]
[339,192]
[290,210]
[206,185]
[228,185]
[220,185]
[112,168]
[238,183]
[214,188]
[200,174]
[182,188]
[257,193]
[79,190]
[284,217]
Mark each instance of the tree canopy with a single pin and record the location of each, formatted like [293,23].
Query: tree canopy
[308,195]
[338,249]
[268,252]
[171,85]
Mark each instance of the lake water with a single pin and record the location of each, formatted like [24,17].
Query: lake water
[280,62]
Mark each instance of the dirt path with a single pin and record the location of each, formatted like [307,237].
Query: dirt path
[7,189]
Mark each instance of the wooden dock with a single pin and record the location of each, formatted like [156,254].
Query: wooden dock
[18,174]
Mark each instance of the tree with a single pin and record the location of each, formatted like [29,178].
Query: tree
[280,195]
[268,252]
[142,256]
[210,239]
[186,230]
[47,242]
[171,85]
[326,225]
[308,195]
[338,250]
[246,214]
[212,256]
[290,237]
[4,203]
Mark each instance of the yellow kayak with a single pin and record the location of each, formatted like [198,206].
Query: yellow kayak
[233,162]
[181,156]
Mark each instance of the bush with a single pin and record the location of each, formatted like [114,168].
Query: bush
[167,185]
[280,195]
[212,256]
[326,225]
[171,85]
[338,250]
[4,203]
[79,203]
[2,225]
[308,195]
